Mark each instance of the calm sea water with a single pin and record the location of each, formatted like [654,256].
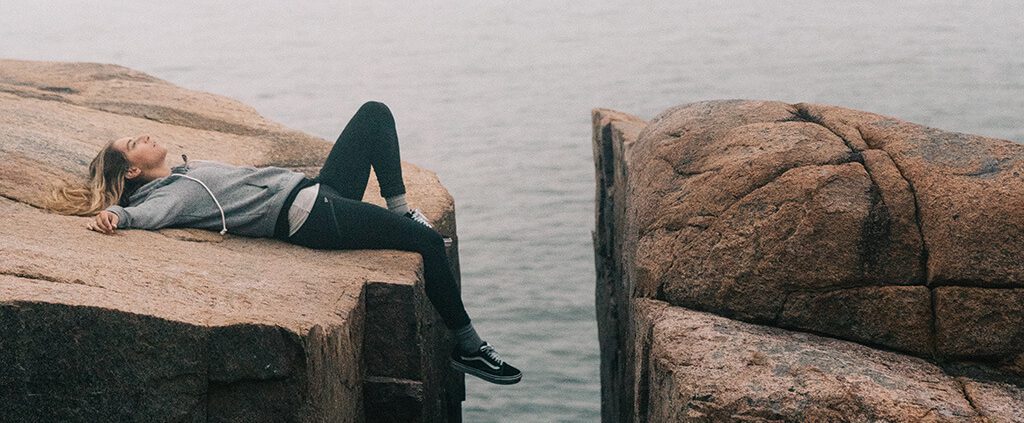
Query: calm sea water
[496,99]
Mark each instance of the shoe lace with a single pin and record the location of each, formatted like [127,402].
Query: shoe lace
[418,216]
[488,351]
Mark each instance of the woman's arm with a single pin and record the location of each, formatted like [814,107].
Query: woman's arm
[104,222]
[159,210]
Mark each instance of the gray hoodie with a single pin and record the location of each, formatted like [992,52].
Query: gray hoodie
[211,195]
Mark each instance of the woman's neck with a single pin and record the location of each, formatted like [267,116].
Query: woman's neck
[150,175]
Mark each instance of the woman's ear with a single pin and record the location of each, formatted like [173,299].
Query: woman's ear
[132,172]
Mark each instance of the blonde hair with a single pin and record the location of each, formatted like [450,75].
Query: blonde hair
[106,186]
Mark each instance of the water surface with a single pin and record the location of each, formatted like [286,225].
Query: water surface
[496,99]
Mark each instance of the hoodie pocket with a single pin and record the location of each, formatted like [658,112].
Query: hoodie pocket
[254,198]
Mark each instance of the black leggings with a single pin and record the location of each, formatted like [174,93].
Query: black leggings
[341,221]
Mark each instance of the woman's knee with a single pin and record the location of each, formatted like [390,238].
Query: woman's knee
[375,108]
[431,242]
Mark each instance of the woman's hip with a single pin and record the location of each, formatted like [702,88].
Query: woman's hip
[336,222]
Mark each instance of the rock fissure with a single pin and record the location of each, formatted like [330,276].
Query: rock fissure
[164,115]
[775,176]
[47,278]
[19,201]
[710,251]
[782,307]
[876,230]
[827,290]
[829,335]
[804,115]
[857,298]
[968,397]
[933,343]
[176,117]
[607,153]
[923,262]
[967,283]
[917,205]
[684,173]
[45,96]
[737,199]
[644,382]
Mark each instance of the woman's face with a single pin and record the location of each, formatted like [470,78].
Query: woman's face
[142,152]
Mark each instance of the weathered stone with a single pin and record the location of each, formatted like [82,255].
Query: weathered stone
[614,133]
[56,116]
[753,199]
[250,323]
[734,206]
[394,318]
[410,346]
[893,247]
[968,188]
[394,400]
[771,242]
[182,324]
[132,374]
[895,316]
[995,395]
[979,322]
[808,217]
[702,367]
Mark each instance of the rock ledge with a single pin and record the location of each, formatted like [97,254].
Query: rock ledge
[813,219]
[186,325]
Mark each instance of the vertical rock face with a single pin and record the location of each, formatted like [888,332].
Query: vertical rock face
[613,135]
[814,219]
[187,325]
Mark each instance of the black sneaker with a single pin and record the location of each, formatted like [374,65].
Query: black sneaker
[487,365]
[419,217]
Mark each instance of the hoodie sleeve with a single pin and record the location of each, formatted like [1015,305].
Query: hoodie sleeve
[160,210]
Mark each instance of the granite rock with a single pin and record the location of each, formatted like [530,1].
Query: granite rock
[812,218]
[186,324]
[702,367]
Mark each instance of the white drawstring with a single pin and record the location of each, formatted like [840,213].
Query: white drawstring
[223,220]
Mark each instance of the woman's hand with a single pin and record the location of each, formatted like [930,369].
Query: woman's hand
[105,222]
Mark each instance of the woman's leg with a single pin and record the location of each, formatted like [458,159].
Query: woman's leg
[340,220]
[369,139]
[336,222]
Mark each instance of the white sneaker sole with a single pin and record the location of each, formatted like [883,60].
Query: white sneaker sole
[500,380]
